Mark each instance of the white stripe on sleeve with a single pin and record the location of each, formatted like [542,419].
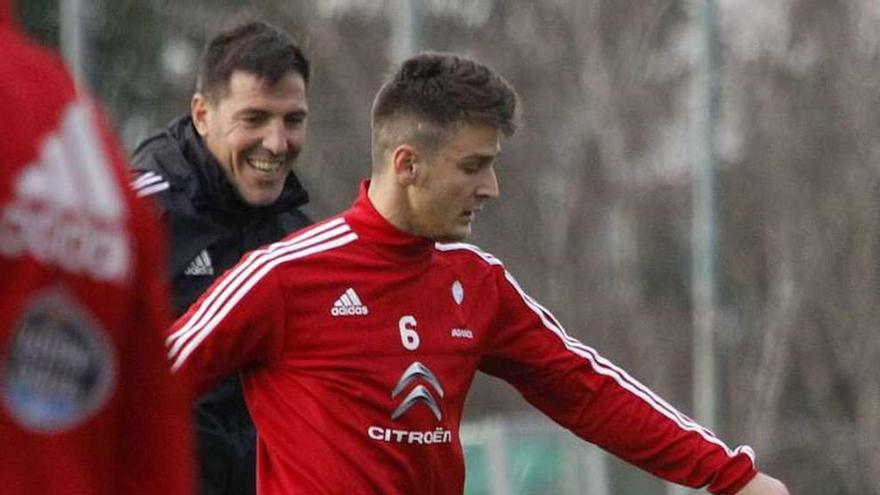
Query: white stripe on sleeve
[146,191]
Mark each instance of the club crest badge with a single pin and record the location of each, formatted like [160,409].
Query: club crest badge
[457,292]
[59,368]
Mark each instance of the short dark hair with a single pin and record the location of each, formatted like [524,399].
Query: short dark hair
[255,47]
[440,90]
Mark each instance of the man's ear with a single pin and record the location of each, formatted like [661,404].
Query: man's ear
[199,110]
[405,164]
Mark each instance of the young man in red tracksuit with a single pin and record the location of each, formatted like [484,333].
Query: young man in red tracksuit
[360,337]
[87,405]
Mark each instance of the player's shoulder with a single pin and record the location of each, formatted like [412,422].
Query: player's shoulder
[469,254]
[147,182]
[327,229]
[157,165]
[325,237]
[25,62]
[44,104]
[160,163]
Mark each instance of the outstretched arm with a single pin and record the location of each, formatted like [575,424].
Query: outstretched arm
[603,404]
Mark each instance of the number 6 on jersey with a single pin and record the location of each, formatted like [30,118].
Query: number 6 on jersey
[408,336]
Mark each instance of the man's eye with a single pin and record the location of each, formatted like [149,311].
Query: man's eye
[252,119]
[294,120]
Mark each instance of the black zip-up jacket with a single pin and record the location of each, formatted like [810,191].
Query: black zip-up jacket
[210,229]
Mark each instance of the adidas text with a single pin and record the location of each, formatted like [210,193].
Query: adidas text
[349,311]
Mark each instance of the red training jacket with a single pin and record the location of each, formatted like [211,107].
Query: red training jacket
[359,343]
[87,405]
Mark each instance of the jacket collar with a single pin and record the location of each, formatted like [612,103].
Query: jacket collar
[209,187]
[386,239]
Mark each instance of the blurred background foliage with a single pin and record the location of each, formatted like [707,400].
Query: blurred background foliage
[596,202]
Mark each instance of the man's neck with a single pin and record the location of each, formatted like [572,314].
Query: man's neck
[390,201]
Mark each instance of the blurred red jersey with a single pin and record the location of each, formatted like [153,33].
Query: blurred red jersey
[87,405]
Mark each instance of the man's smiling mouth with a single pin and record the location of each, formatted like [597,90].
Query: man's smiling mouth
[267,167]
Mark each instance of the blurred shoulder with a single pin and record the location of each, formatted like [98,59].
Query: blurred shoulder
[469,254]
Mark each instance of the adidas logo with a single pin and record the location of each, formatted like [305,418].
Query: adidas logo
[201,265]
[349,304]
[65,208]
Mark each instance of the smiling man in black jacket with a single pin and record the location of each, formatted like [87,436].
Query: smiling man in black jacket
[223,179]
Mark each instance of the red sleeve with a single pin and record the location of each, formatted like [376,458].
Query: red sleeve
[159,445]
[237,322]
[601,403]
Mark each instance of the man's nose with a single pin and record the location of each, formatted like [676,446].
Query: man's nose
[488,187]
[276,139]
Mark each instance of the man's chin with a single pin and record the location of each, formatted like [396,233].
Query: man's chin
[261,197]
